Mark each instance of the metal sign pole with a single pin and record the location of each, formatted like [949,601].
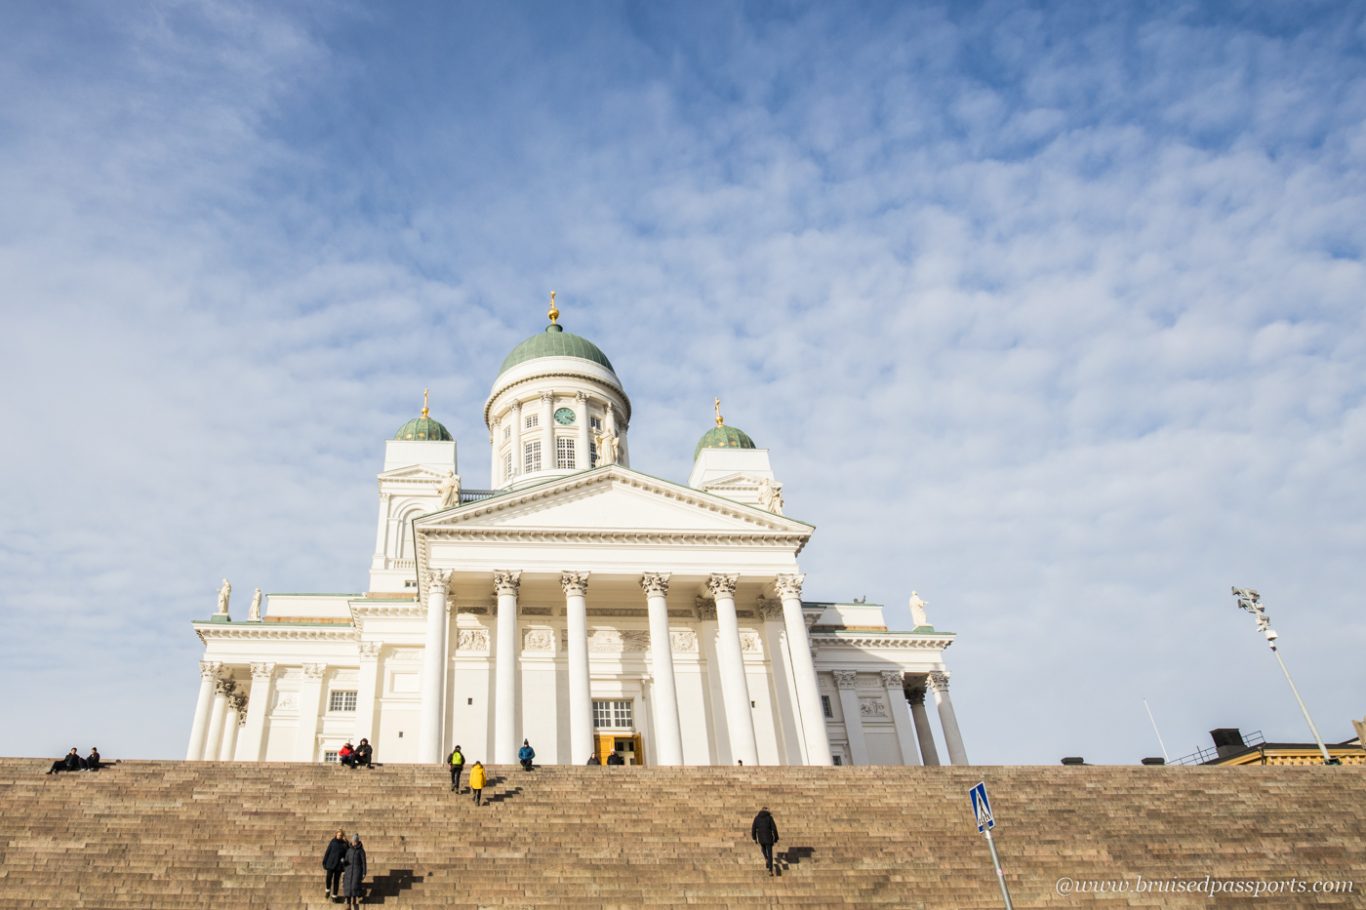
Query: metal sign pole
[1000,876]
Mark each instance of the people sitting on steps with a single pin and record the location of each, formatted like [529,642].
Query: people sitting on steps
[364,754]
[92,761]
[615,759]
[526,754]
[72,762]
[346,755]
[594,760]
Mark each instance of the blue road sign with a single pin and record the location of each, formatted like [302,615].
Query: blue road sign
[981,807]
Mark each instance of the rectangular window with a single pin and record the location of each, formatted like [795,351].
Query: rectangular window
[595,424]
[532,421]
[341,700]
[592,454]
[612,714]
[532,457]
[507,432]
[837,759]
[564,453]
[507,465]
[330,757]
[826,709]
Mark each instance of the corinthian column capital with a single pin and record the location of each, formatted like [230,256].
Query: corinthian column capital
[655,584]
[938,680]
[262,670]
[438,578]
[209,669]
[574,583]
[846,679]
[720,585]
[507,581]
[789,585]
[771,610]
[892,679]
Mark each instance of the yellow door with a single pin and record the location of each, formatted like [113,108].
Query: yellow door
[628,745]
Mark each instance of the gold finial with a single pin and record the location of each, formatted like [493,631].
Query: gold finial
[554,313]
[425,411]
[720,421]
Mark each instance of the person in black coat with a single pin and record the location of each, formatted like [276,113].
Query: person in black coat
[92,761]
[364,754]
[615,759]
[333,857]
[594,760]
[764,832]
[72,762]
[353,879]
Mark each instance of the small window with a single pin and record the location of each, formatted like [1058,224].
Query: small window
[532,421]
[507,465]
[595,423]
[507,432]
[826,709]
[564,453]
[330,757]
[341,700]
[612,714]
[531,460]
[592,454]
[837,759]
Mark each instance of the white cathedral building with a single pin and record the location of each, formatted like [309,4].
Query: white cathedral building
[579,604]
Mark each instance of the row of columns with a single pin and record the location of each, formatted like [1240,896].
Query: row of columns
[720,611]
[230,722]
[912,750]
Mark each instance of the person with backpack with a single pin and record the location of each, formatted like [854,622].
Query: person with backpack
[333,857]
[477,779]
[764,832]
[526,754]
[457,762]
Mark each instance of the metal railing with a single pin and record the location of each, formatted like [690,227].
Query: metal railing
[1200,756]
[475,495]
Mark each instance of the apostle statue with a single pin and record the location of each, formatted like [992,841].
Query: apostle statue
[771,495]
[449,490]
[607,446]
[254,614]
[918,617]
[224,593]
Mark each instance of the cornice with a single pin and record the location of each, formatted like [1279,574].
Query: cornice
[388,610]
[500,390]
[224,632]
[905,642]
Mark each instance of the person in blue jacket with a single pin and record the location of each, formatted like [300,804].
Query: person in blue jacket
[526,754]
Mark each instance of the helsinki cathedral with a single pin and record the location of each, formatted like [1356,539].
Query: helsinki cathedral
[578,603]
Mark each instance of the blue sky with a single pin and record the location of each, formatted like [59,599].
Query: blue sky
[1052,314]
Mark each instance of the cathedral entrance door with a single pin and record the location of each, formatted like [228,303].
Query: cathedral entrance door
[629,746]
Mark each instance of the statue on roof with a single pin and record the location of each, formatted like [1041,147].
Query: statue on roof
[224,594]
[918,617]
[254,614]
[608,445]
[449,490]
[771,495]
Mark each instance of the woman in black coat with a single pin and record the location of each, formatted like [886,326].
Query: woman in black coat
[764,832]
[333,857]
[353,879]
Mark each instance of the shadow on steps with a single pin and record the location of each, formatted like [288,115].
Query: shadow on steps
[391,884]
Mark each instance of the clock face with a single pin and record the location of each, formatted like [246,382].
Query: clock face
[564,416]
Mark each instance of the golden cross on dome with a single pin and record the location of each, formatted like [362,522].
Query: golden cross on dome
[554,313]
[720,421]
[425,411]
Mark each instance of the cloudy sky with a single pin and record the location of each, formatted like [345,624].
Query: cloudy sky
[1054,316]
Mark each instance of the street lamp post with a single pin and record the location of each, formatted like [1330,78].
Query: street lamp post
[1251,601]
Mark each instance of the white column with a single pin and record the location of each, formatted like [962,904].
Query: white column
[548,431]
[434,661]
[847,682]
[381,557]
[366,690]
[581,431]
[734,688]
[664,692]
[575,585]
[236,711]
[953,740]
[788,721]
[895,684]
[217,717]
[203,708]
[505,669]
[718,737]
[310,707]
[258,706]
[516,417]
[923,733]
[789,588]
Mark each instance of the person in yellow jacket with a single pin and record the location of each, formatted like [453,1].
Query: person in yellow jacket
[477,778]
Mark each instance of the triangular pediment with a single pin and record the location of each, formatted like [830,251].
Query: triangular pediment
[612,498]
[412,472]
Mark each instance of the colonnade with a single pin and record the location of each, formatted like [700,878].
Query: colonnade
[663,693]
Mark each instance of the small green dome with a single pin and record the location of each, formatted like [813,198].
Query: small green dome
[423,429]
[555,342]
[723,437]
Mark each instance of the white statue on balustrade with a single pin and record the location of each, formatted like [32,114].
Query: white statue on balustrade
[224,594]
[918,617]
[608,446]
[254,614]
[771,495]
[449,490]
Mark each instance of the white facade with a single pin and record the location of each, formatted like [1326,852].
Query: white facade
[579,604]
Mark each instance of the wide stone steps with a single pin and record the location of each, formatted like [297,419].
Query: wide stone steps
[161,835]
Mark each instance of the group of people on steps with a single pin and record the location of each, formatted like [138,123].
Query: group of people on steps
[344,863]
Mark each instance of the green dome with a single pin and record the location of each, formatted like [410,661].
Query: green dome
[423,429]
[555,342]
[723,437]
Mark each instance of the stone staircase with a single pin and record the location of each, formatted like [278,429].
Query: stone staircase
[159,835]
